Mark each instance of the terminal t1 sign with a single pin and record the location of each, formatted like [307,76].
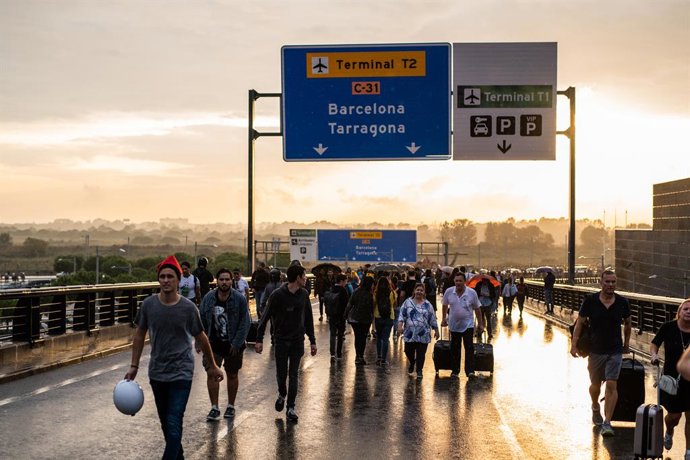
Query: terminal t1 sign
[366,102]
[505,101]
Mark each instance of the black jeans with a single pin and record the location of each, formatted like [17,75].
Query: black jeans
[416,354]
[457,341]
[337,327]
[288,356]
[360,330]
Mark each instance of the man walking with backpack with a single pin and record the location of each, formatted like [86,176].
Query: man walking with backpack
[225,317]
[336,302]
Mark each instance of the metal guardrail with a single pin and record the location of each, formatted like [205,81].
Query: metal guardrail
[33,315]
[648,312]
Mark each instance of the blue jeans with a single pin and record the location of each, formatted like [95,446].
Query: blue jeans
[383,335]
[258,295]
[171,402]
[548,299]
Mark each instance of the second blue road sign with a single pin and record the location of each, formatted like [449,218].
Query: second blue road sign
[366,102]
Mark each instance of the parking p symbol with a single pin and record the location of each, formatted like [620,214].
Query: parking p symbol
[505,126]
[530,125]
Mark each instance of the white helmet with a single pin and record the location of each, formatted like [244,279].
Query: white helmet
[128,397]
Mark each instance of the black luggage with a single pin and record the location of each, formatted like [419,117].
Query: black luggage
[251,336]
[483,357]
[649,429]
[630,390]
[441,354]
[253,327]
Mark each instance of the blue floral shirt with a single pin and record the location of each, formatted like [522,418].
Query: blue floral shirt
[418,321]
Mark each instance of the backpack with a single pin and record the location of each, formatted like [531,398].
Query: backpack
[332,301]
[385,307]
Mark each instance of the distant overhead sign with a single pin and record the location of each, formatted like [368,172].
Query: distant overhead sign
[366,102]
[303,245]
[504,101]
[368,245]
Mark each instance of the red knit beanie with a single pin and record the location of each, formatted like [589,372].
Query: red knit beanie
[171,262]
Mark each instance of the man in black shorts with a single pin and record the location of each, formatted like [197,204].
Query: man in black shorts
[605,311]
[225,317]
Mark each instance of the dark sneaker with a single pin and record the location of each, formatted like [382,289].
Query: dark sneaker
[668,440]
[607,430]
[229,412]
[597,419]
[410,368]
[214,414]
[291,414]
[454,375]
[419,375]
[280,403]
[471,375]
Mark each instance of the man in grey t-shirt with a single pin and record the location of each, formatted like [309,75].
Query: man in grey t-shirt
[171,321]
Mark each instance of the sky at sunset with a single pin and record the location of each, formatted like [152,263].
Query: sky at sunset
[138,110]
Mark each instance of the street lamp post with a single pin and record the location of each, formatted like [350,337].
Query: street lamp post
[98,263]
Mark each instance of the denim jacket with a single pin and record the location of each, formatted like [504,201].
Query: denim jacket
[237,312]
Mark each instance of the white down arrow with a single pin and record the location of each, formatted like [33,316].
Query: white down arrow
[320,149]
[413,148]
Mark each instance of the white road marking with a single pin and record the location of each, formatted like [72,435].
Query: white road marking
[511,439]
[55,386]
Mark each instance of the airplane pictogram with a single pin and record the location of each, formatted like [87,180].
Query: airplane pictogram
[471,98]
[319,67]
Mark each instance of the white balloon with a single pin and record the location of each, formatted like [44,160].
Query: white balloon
[128,397]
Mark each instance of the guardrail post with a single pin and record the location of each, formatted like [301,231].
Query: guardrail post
[107,309]
[85,312]
[57,316]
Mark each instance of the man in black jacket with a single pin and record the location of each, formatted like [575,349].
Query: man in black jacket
[336,302]
[260,278]
[289,310]
[549,282]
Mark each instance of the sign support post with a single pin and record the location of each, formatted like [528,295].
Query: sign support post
[570,133]
[253,135]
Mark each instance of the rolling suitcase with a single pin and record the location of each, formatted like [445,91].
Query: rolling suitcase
[483,357]
[630,390]
[441,354]
[649,428]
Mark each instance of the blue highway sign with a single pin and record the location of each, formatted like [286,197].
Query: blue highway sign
[366,102]
[367,245]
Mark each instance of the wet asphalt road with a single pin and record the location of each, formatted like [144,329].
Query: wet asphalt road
[535,406]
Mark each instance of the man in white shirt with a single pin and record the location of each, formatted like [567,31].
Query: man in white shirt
[240,284]
[460,307]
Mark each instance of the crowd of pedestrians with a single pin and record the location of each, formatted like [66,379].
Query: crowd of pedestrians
[374,303]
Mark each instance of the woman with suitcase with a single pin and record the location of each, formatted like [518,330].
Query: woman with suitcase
[675,336]
[416,320]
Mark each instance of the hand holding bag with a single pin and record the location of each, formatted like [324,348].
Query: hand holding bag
[669,384]
[585,340]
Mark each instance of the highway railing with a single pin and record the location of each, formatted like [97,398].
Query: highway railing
[648,312]
[32,315]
